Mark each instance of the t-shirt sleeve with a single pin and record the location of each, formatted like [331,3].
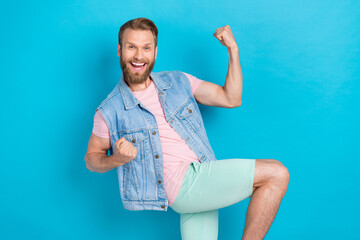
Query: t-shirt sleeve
[194,82]
[100,128]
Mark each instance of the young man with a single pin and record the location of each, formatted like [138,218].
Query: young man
[153,129]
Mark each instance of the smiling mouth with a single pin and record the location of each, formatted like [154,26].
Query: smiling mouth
[137,66]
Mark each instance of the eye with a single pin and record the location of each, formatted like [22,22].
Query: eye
[131,47]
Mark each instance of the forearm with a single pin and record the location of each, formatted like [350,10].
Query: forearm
[233,82]
[100,162]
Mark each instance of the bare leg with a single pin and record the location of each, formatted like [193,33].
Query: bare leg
[270,185]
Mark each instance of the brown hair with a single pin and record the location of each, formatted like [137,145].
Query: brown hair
[139,24]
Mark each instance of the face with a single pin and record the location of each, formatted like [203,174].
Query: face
[137,55]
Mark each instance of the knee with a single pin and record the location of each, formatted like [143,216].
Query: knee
[271,173]
[281,173]
[284,174]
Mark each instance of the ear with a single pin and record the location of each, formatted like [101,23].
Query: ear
[119,49]
[156,52]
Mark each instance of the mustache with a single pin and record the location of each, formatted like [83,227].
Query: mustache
[139,61]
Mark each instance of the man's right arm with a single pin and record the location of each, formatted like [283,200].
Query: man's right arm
[96,157]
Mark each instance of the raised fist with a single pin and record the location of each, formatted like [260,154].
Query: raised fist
[124,151]
[226,37]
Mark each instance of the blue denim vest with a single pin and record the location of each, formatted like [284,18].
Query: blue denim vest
[141,180]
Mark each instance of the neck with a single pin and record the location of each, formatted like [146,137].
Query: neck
[140,86]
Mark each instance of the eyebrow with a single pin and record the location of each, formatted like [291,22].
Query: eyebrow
[135,44]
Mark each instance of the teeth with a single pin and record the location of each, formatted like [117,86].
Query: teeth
[138,64]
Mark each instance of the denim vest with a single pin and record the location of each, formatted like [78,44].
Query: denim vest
[141,180]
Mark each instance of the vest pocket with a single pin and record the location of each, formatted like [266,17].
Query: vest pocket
[134,171]
[188,115]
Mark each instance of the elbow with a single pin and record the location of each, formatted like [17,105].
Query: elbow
[86,158]
[235,104]
[88,166]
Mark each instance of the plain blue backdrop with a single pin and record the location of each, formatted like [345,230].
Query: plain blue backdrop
[300,105]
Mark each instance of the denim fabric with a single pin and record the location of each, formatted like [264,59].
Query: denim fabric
[141,180]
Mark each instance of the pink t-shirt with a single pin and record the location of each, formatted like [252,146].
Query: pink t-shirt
[177,155]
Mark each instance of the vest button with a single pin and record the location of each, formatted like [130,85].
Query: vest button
[190,111]
[159,181]
[162,206]
[134,141]
[153,133]
[156,156]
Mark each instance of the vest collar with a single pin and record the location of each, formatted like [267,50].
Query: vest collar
[128,97]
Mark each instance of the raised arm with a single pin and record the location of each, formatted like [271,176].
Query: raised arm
[229,95]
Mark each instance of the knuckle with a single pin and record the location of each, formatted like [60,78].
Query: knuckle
[121,151]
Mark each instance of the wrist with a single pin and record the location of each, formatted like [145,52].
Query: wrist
[233,49]
[233,54]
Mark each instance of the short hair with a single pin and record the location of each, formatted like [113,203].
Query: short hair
[139,24]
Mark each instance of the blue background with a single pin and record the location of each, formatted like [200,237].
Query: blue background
[300,62]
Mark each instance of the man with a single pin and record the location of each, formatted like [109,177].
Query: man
[153,128]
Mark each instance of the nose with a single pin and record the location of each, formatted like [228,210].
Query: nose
[139,54]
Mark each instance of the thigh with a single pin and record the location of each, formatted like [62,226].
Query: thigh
[199,226]
[215,184]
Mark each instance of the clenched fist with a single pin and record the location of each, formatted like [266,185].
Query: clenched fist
[124,151]
[226,37]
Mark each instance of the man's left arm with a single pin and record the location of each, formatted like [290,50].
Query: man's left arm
[229,95]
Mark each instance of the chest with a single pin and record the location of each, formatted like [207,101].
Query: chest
[156,105]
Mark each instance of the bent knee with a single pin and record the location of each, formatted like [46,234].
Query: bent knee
[281,173]
[270,172]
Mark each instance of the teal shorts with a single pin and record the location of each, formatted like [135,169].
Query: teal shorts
[207,187]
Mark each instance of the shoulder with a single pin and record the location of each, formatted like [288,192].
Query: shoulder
[192,78]
[174,73]
[109,107]
[173,76]
[176,79]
